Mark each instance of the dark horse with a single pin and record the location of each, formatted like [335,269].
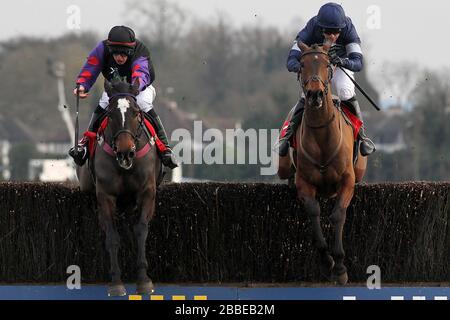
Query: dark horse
[127,174]
[324,158]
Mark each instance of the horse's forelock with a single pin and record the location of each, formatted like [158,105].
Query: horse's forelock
[121,87]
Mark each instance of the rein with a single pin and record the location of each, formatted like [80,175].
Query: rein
[323,167]
[323,125]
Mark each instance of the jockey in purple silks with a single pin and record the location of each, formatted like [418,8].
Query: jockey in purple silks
[120,56]
[332,25]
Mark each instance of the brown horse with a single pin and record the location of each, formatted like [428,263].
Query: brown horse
[324,158]
[127,170]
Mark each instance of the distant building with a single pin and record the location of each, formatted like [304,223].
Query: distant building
[10,134]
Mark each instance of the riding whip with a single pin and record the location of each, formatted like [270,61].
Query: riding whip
[76,119]
[360,89]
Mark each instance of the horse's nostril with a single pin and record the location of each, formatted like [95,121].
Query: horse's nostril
[131,154]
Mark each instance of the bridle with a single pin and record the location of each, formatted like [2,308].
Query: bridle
[134,136]
[322,167]
[315,76]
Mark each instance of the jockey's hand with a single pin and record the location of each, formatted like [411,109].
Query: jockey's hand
[335,59]
[337,50]
[338,62]
[298,68]
[81,92]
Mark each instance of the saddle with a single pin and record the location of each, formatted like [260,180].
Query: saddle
[356,125]
[94,138]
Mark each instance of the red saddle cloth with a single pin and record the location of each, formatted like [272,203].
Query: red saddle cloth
[355,121]
[356,124]
[92,139]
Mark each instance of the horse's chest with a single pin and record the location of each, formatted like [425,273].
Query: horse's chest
[130,183]
[121,184]
[326,179]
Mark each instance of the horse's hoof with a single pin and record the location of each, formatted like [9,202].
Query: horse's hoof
[342,279]
[326,268]
[117,290]
[145,288]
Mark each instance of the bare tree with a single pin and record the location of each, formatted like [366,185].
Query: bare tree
[161,21]
[400,80]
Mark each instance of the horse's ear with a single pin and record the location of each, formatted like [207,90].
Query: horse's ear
[135,87]
[303,46]
[108,87]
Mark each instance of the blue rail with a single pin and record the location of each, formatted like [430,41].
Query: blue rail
[171,292]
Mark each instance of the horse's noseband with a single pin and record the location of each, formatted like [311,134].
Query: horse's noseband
[316,77]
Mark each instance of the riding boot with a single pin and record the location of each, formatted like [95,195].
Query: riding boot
[367,146]
[167,157]
[81,154]
[295,121]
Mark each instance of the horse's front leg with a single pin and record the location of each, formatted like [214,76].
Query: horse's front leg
[107,210]
[147,211]
[307,194]
[345,195]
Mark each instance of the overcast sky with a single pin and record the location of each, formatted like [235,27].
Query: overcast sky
[406,27]
[392,30]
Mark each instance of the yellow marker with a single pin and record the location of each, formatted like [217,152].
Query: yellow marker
[178,297]
[156,297]
[200,298]
[134,297]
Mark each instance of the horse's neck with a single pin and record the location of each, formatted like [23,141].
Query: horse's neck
[322,125]
[318,118]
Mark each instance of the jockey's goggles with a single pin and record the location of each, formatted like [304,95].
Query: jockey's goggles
[332,31]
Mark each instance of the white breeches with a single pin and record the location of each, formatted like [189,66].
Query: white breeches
[342,86]
[144,99]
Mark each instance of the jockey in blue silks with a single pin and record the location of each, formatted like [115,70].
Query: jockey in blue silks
[332,25]
[121,56]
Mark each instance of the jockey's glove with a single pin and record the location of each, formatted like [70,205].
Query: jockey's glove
[294,66]
[336,60]
[337,50]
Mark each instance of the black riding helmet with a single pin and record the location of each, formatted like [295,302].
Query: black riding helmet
[121,39]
